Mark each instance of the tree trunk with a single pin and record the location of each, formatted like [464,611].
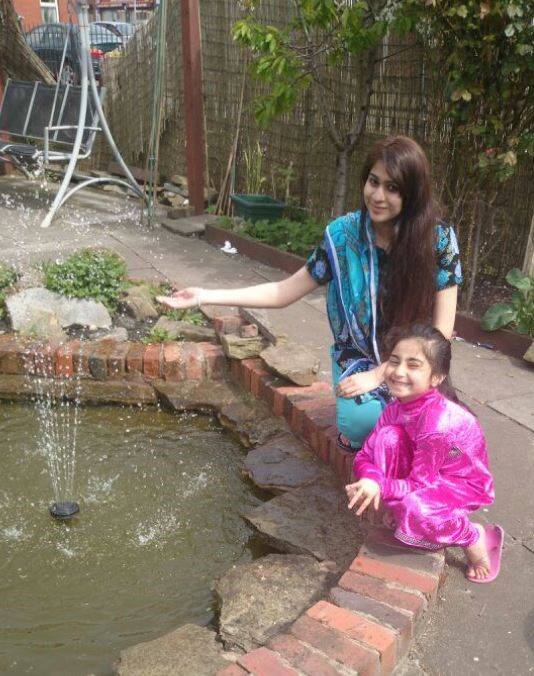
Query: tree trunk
[340,188]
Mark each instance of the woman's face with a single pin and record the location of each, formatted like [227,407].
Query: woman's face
[381,196]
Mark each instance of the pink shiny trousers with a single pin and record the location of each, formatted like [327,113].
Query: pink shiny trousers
[433,516]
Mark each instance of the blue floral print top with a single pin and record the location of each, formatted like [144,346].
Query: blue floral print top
[348,260]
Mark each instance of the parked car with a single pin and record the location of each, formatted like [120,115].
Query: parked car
[48,42]
[122,29]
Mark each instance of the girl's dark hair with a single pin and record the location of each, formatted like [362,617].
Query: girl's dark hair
[408,288]
[436,348]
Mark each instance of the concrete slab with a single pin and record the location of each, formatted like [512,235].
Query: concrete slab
[487,375]
[520,409]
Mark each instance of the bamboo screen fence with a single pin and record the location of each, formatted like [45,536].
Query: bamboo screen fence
[297,145]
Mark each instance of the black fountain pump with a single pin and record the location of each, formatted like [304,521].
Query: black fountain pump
[64,510]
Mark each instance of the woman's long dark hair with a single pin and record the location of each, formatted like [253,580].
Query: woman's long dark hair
[435,347]
[407,291]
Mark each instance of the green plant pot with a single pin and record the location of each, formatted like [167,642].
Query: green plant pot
[257,207]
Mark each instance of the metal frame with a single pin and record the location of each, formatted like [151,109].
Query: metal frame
[79,150]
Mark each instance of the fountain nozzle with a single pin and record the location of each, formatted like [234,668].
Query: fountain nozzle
[64,510]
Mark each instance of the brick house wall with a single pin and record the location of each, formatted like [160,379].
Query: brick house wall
[31,12]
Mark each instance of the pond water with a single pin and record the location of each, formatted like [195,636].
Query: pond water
[159,499]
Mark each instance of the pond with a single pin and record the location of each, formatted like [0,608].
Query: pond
[159,496]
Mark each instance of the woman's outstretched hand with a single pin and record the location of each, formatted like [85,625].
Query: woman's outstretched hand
[365,491]
[183,299]
[358,384]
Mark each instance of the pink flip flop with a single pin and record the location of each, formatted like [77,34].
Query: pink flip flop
[494,543]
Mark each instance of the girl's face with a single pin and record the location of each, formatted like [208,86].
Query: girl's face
[381,196]
[408,371]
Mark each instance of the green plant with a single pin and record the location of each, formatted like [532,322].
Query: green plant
[89,273]
[8,276]
[156,335]
[323,37]
[520,311]
[189,316]
[287,234]
[254,179]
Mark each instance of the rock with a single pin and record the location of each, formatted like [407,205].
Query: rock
[112,187]
[187,395]
[130,392]
[529,354]
[117,335]
[138,303]
[259,317]
[45,324]
[283,463]
[183,226]
[251,421]
[260,431]
[261,598]
[237,413]
[188,651]
[293,362]
[248,331]
[179,329]
[242,348]
[177,179]
[312,520]
[179,212]
[27,305]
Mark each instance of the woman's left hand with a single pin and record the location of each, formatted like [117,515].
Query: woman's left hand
[359,383]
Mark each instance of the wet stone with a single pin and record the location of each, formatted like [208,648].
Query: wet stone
[187,396]
[187,650]
[293,362]
[259,599]
[242,348]
[251,420]
[138,303]
[311,520]
[283,463]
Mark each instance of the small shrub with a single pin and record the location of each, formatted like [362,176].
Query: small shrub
[8,277]
[189,316]
[520,311]
[156,335]
[295,236]
[90,273]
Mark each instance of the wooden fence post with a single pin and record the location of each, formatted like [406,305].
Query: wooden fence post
[194,110]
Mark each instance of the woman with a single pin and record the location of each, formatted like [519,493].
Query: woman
[390,263]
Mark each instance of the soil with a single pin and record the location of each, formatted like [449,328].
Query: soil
[487,292]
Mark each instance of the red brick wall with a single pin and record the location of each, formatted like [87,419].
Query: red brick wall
[30,11]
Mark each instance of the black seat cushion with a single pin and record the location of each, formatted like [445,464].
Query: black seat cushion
[23,151]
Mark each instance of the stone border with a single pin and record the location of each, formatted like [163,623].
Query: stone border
[379,604]
[508,342]
[370,617]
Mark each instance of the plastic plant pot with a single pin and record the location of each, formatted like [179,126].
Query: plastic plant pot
[257,207]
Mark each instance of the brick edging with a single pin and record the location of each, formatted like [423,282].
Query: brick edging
[371,616]
[110,360]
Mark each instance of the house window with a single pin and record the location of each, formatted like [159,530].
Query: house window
[49,11]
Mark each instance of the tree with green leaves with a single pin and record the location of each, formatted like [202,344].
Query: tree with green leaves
[483,55]
[322,37]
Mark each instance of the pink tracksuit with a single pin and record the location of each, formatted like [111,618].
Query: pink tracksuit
[429,457]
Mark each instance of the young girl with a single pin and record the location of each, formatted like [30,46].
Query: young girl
[426,458]
[391,262]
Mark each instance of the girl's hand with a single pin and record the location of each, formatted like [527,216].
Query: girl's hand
[364,491]
[359,383]
[183,299]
